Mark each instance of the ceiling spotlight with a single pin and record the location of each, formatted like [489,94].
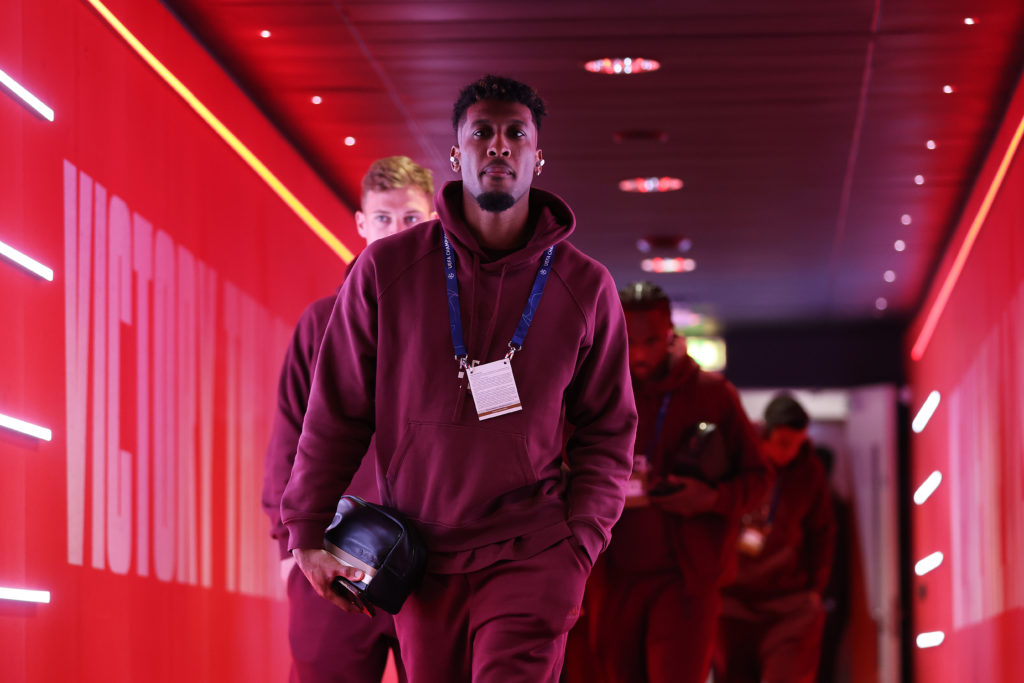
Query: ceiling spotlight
[349,141]
[905,219]
[668,265]
[881,304]
[889,276]
[948,89]
[930,144]
[899,245]
[643,246]
[317,99]
[652,184]
[919,180]
[264,33]
[623,65]
[969,21]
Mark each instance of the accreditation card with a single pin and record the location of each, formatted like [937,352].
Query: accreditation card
[494,389]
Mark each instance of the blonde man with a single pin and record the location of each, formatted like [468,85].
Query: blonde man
[328,644]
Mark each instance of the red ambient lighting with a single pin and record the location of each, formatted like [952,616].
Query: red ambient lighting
[625,65]
[668,265]
[645,185]
[939,305]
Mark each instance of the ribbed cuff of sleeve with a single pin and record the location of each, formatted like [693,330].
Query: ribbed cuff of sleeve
[282,544]
[589,538]
[306,534]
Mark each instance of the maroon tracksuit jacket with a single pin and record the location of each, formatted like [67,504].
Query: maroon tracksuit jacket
[327,644]
[657,598]
[482,492]
[772,616]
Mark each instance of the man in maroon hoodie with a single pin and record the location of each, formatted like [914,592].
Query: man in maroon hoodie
[328,644]
[697,470]
[772,614]
[511,540]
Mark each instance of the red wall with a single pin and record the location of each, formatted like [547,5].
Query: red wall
[975,360]
[152,356]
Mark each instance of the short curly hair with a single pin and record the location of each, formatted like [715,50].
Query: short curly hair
[643,297]
[498,88]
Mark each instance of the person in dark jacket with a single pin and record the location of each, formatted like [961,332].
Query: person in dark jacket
[772,615]
[328,644]
[697,470]
[511,540]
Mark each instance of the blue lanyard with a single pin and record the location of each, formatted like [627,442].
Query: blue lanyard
[455,312]
[659,424]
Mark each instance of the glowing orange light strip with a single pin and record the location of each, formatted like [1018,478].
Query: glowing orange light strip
[304,214]
[939,305]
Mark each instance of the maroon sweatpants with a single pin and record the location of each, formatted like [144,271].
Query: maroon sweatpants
[652,630]
[774,648]
[502,624]
[330,645]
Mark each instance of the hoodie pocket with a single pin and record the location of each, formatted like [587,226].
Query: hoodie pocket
[453,474]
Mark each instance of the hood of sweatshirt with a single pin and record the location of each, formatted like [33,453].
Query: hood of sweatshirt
[551,218]
[681,368]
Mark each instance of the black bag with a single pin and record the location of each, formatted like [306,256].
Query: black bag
[381,543]
[702,454]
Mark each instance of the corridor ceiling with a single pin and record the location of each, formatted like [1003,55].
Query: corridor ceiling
[798,127]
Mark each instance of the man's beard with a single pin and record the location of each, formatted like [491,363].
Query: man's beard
[495,202]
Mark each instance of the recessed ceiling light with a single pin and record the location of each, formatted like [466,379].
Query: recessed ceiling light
[948,89]
[622,65]
[919,179]
[905,219]
[652,184]
[969,21]
[881,304]
[643,246]
[349,141]
[317,99]
[899,245]
[668,265]
[930,144]
[889,276]
[264,33]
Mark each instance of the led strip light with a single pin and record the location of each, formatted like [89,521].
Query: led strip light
[26,262]
[925,413]
[939,305]
[928,564]
[16,425]
[23,595]
[925,490]
[930,639]
[286,195]
[28,98]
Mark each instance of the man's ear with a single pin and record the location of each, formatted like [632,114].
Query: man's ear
[361,224]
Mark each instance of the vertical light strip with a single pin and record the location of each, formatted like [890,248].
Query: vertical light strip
[926,412]
[925,490]
[16,425]
[26,262]
[28,98]
[22,595]
[930,639]
[939,305]
[304,214]
[927,564]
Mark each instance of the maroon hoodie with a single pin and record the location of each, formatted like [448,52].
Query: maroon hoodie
[480,491]
[292,397]
[701,547]
[798,551]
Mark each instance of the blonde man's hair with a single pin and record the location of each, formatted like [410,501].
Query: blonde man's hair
[394,173]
